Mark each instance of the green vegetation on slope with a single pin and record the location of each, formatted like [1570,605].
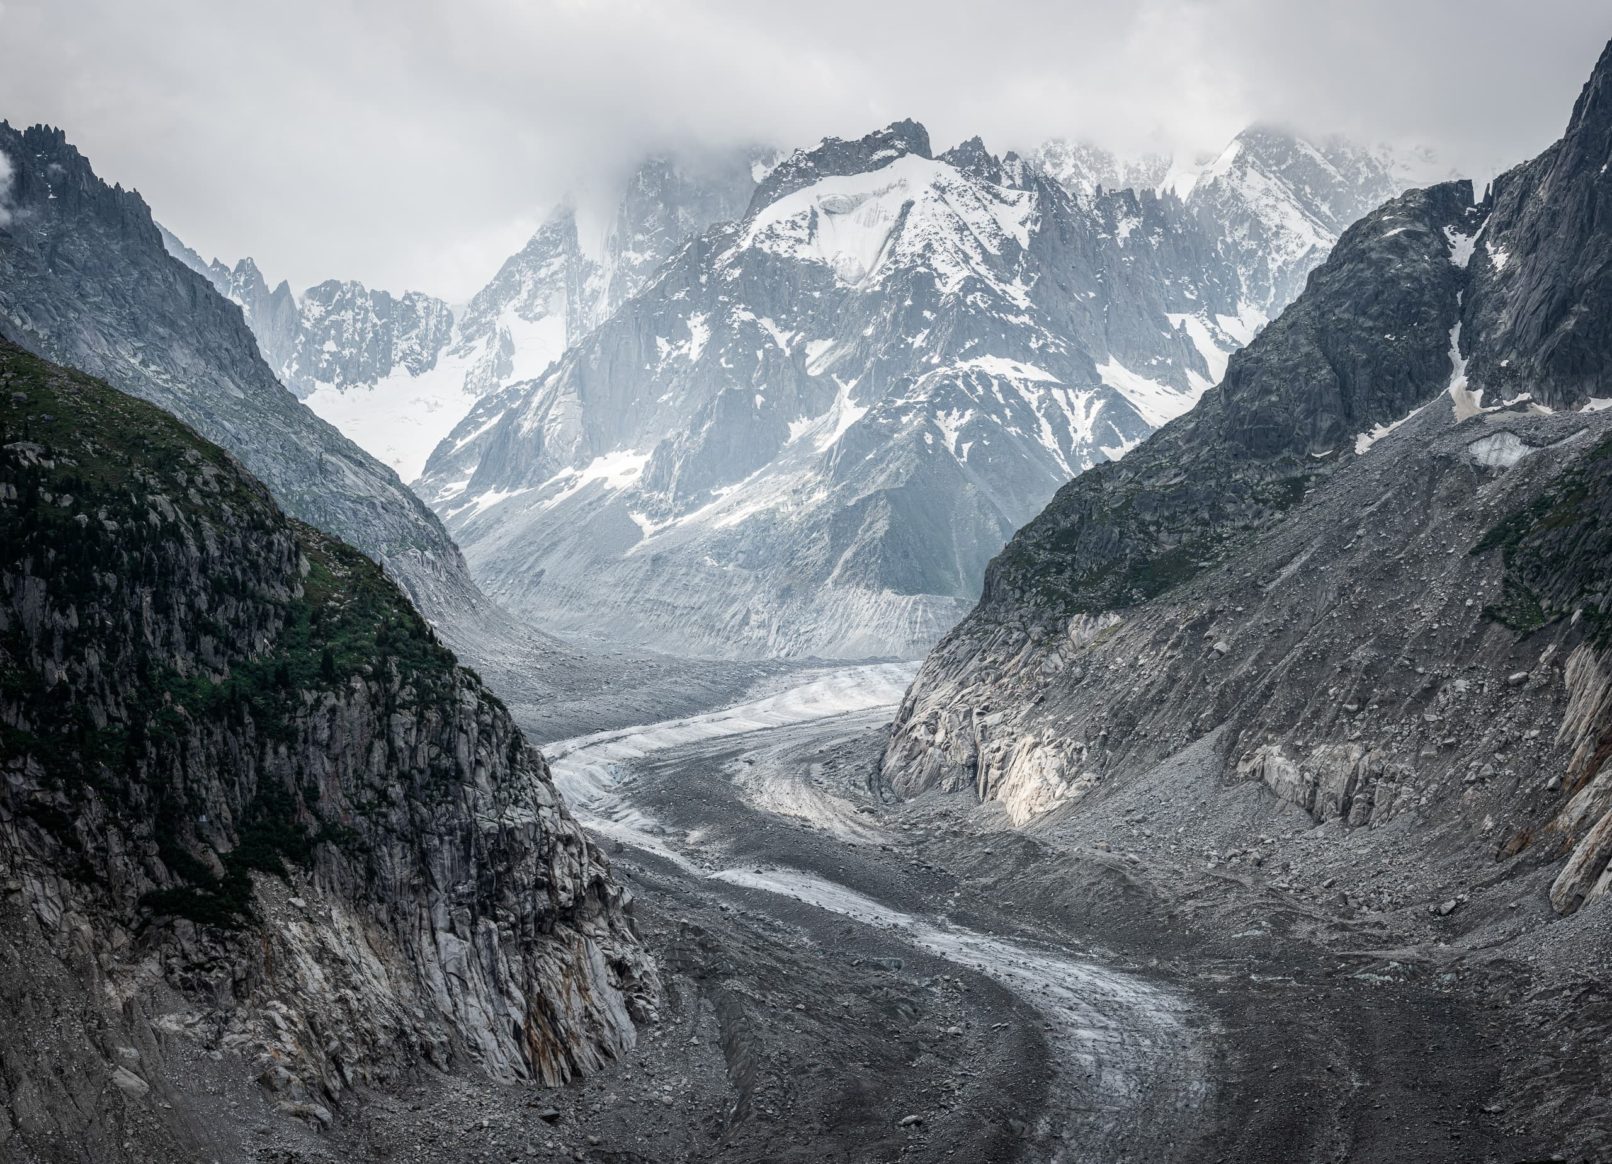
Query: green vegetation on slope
[162,609]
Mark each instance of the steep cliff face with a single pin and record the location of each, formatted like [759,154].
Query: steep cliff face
[1542,304]
[352,335]
[1368,571]
[669,200]
[85,279]
[1556,566]
[1366,344]
[242,778]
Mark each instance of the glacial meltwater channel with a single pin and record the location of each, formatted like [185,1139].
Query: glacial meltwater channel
[1128,1048]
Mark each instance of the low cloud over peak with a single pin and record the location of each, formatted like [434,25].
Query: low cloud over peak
[414,144]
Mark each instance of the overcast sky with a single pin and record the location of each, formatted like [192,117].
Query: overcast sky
[415,144]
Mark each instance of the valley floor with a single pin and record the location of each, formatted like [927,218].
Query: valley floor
[854,979]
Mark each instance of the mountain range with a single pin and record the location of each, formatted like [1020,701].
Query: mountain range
[808,433]
[396,373]
[853,513]
[1262,511]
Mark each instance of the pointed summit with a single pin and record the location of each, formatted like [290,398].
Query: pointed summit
[92,284]
[1592,112]
[1546,311]
[972,157]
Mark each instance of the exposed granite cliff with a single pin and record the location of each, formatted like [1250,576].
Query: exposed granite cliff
[250,798]
[340,334]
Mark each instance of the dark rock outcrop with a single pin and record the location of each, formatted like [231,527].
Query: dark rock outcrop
[244,784]
[1541,308]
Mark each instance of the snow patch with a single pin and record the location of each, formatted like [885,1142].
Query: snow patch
[1364,441]
[951,423]
[1214,356]
[1461,246]
[815,351]
[1499,450]
[482,502]
[400,419]
[828,428]
[616,470]
[1245,325]
[780,337]
[1467,402]
[699,332]
[1013,369]
[1155,403]
[950,221]
[534,343]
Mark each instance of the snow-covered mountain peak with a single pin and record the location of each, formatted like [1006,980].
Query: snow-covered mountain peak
[908,210]
[972,157]
[813,428]
[834,156]
[397,372]
[1334,181]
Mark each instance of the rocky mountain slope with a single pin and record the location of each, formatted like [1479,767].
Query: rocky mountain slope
[817,424]
[255,817]
[1368,572]
[85,280]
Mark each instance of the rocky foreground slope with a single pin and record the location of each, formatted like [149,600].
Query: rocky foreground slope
[255,823]
[1342,635]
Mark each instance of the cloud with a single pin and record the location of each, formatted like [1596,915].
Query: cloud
[413,143]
